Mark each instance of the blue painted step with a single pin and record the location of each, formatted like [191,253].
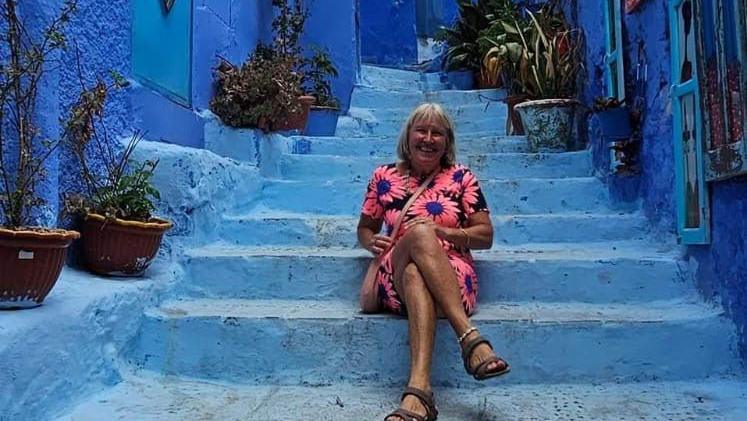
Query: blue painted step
[369,97]
[397,79]
[486,166]
[387,146]
[594,273]
[328,342]
[323,230]
[164,398]
[519,196]
[359,124]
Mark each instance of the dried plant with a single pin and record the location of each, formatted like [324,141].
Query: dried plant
[23,148]
[116,191]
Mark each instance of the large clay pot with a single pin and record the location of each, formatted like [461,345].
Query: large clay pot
[548,123]
[296,121]
[119,247]
[31,262]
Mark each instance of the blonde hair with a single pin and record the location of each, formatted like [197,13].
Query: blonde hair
[428,111]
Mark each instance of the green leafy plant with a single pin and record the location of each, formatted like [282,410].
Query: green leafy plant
[23,148]
[117,190]
[463,50]
[552,54]
[265,90]
[318,69]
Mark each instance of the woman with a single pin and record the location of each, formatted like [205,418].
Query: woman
[428,268]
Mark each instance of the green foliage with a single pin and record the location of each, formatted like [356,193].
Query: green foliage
[116,191]
[317,71]
[265,89]
[463,51]
[23,150]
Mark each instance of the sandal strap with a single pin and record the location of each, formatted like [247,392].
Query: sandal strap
[482,369]
[469,348]
[406,415]
[425,398]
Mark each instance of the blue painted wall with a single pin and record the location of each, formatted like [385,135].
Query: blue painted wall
[340,42]
[387,31]
[719,269]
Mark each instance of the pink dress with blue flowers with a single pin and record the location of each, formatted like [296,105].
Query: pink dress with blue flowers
[454,195]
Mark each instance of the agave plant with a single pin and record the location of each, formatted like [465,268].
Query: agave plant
[552,55]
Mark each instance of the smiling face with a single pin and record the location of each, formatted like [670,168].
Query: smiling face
[427,141]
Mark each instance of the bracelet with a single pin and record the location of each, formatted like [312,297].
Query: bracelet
[464,335]
[465,236]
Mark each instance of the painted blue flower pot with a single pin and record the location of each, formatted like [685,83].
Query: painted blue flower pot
[322,121]
[548,123]
[463,80]
[614,122]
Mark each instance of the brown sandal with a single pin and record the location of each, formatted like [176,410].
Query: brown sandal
[425,398]
[480,372]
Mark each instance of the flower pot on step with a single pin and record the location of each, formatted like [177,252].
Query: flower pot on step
[614,122]
[322,121]
[120,247]
[548,123]
[31,262]
[463,80]
[296,121]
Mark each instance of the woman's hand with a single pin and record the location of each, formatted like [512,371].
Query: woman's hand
[441,232]
[378,244]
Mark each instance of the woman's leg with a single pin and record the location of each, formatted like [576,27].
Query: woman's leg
[421,322]
[421,247]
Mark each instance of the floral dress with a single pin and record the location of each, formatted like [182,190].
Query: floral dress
[452,196]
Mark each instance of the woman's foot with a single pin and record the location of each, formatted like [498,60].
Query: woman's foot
[413,404]
[483,352]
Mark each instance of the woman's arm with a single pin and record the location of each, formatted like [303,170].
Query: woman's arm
[369,237]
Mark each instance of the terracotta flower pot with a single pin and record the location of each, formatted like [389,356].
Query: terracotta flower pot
[119,247]
[31,262]
[296,121]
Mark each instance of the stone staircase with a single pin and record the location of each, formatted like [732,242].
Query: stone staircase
[597,320]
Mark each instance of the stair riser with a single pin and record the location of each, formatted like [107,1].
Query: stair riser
[382,76]
[493,124]
[460,114]
[522,196]
[386,147]
[491,166]
[342,231]
[365,97]
[373,350]
[338,278]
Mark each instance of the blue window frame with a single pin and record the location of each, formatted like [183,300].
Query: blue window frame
[691,190]
[613,59]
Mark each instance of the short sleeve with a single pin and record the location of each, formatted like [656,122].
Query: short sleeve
[473,200]
[384,187]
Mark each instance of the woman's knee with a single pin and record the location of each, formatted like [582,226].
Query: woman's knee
[422,238]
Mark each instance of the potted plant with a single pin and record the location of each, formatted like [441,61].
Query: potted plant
[121,237]
[31,257]
[271,91]
[552,56]
[263,93]
[463,58]
[315,80]
[613,117]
